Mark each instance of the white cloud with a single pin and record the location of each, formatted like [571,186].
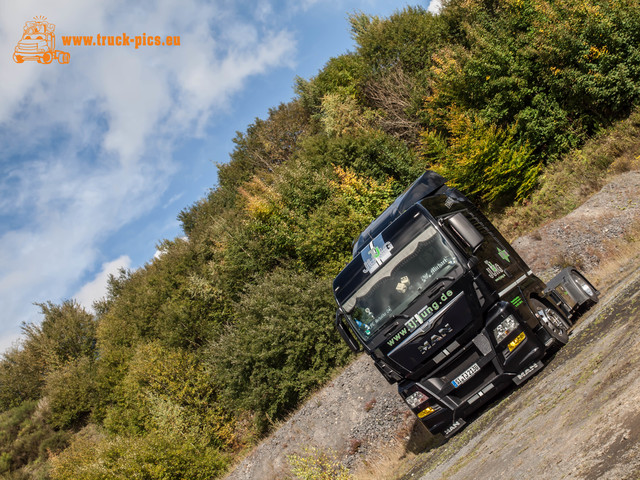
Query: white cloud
[87,147]
[96,289]
[435,6]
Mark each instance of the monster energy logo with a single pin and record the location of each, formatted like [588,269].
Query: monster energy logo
[494,270]
[516,302]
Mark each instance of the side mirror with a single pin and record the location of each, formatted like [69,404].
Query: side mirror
[346,334]
[465,230]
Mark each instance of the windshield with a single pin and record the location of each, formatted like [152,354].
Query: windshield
[395,285]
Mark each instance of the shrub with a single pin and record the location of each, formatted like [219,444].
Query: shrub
[282,346]
[27,440]
[560,69]
[71,392]
[317,465]
[484,161]
[169,391]
[94,455]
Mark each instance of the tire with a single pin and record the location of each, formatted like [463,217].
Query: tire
[585,286]
[46,58]
[18,58]
[552,321]
[63,58]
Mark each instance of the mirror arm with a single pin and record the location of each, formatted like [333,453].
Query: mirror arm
[346,335]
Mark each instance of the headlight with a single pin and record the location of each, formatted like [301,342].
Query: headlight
[507,326]
[416,399]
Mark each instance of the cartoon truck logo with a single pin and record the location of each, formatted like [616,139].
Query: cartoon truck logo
[38,43]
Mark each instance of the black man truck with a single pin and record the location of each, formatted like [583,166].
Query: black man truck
[446,308]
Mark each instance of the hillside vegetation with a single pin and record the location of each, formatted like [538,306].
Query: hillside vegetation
[196,355]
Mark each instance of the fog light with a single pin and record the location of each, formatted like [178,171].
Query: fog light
[505,327]
[515,342]
[426,411]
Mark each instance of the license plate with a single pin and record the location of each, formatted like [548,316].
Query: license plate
[466,375]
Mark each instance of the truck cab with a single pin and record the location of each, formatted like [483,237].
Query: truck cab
[446,308]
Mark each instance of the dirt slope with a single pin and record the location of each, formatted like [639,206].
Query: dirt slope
[580,237]
[355,410]
[560,423]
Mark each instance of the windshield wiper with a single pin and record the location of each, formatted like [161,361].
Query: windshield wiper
[394,323]
[435,282]
[427,288]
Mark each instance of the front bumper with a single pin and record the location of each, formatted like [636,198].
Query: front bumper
[469,375]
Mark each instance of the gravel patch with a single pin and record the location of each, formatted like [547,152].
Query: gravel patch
[581,236]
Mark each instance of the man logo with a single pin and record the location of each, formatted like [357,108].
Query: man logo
[435,338]
[454,427]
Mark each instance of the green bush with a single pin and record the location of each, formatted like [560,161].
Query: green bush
[72,394]
[282,346]
[168,391]
[560,69]
[343,75]
[96,456]
[484,161]
[375,155]
[27,440]
[409,38]
[67,332]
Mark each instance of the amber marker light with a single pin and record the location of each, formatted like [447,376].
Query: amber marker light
[515,342]
[425,412]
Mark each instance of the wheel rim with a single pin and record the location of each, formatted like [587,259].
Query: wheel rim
[552,322]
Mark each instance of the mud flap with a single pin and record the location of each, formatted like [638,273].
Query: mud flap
[451,430]
[527,373]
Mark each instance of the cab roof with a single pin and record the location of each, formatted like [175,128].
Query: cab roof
[424,186]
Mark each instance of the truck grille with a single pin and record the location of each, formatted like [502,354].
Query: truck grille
[27,48]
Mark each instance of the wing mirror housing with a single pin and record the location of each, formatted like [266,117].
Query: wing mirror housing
[466,231]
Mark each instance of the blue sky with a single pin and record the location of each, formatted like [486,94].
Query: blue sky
[99,156]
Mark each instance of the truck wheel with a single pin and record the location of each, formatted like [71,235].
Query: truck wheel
[552,321]
[585,286]
[46,58]
[18,58]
